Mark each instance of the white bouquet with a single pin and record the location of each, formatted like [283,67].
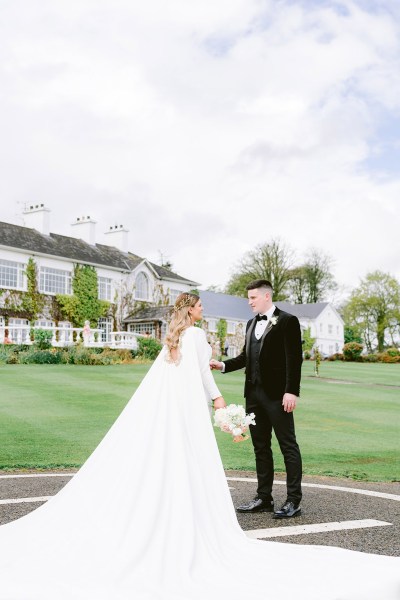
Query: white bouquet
[233,420]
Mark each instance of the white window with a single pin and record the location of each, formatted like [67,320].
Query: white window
[321,327]
[337,347]
[173,294]
[142,328]
[11,274]
[337,329]
[330,328]
[232,352]
[18,331]
[43,323]
[55,281]
[212,325]
[104,284]
[231,327]
[142,287]
[330,349]
[105,324]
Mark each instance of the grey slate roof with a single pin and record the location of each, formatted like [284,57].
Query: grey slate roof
[223,306]
[31,240]
[150,313]
[303,311]
[233,307]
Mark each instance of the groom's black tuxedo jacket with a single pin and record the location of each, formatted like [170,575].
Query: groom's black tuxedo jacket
[280,356]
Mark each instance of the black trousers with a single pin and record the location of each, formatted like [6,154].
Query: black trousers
[271,416]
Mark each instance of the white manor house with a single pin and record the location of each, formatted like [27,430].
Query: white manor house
[125,280]
[140,293]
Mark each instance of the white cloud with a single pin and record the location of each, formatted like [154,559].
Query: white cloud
[205,127]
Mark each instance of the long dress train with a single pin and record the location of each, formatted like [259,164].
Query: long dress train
[149,517]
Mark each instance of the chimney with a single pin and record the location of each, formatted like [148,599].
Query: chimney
[36,216]
[84,228]
[118,237]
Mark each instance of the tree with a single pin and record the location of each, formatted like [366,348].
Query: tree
[311,281]
[272,261]
[308,341]
[222,328]
[374,307]
[352,334]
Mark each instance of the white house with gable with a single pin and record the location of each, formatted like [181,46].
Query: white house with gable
[125,280]
[324,321]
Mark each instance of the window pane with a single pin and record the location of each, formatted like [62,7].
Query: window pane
[11,274]
[105,324]
[142,287]
[142,328]
[104,288]
[55,281]
[173,294]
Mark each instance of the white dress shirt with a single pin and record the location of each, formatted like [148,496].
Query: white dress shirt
[259,328]
[261,325]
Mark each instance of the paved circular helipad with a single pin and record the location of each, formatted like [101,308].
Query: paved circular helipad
[336,512]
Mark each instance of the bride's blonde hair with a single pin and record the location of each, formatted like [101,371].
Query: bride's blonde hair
[180,318]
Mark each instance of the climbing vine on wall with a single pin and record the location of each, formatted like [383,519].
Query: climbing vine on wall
[26,305]
[32,301]
[84,303]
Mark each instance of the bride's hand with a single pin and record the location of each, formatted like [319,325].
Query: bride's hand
[219,403]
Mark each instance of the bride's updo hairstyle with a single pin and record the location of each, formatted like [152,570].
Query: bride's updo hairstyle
[180,318]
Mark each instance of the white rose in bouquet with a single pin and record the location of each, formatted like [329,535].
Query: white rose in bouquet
[233,419]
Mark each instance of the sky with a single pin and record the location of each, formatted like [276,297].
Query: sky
[207,128]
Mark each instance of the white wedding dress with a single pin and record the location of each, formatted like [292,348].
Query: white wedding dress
[149,517]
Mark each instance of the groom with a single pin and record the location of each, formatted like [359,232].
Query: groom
[272,355]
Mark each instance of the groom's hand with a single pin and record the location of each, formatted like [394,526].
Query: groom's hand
[289,402]
[216,364]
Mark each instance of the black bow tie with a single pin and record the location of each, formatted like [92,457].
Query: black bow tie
[262,318]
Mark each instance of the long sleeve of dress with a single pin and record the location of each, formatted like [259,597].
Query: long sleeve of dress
[204,354]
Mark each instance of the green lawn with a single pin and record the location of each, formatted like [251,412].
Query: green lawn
[54,415]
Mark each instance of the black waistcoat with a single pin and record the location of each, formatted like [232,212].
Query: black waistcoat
[254,356]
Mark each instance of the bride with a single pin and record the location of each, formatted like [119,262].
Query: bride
[149,515]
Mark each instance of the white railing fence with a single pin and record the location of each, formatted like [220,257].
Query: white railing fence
[68,336]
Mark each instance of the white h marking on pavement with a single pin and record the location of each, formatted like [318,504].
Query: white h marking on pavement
[313,528]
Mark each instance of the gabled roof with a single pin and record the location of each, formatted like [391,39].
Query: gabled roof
[62,246]
[228,307]
[303,311]
[224,306]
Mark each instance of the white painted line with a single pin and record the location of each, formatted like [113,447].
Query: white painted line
[273,532]
[329,487]
[25,500]
[36,475]
[337,488]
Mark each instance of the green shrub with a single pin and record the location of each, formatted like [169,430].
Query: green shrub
[370,358]
[352,351]
[12,359]
[336,356]
[42,338]
[392,352]
[41,357]
[387,358]
[148,348]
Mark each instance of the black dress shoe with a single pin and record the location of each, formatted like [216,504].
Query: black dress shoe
[287,510]
[257,505]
